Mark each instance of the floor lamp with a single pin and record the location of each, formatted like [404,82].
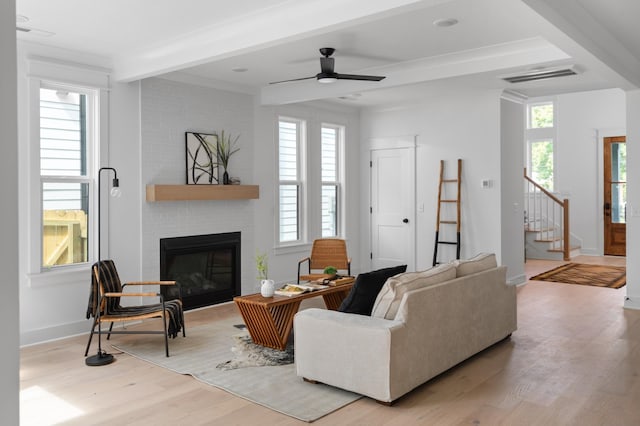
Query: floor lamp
[103,358]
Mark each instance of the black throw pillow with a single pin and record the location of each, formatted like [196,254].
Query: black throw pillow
[363,294]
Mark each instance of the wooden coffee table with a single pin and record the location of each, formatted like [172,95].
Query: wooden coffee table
[270,319]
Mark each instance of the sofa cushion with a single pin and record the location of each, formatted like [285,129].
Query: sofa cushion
[390,296]
[364,291]
[478,263]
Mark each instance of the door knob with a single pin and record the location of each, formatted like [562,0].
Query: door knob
[405,220]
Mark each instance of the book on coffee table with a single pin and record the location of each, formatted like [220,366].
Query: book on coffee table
[294,289]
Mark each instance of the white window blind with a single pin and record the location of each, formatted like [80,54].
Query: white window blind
[330,138]
[289,134]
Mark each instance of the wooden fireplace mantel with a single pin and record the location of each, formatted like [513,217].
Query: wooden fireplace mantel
[201,192]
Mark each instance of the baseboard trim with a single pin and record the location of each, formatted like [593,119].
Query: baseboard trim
[57,332]
[517,280]
[630,303]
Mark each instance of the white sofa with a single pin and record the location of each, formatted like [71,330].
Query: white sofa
[422,324]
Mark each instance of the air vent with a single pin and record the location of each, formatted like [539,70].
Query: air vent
[541,75]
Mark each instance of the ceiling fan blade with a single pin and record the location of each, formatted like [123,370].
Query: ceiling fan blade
[359,77]
[326,65]
[293,79]
[327,73]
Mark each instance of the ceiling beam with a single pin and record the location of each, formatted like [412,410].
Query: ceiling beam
[289,21]
[574,21]
[506,56]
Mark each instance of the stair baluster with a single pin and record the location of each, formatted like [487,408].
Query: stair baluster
[548,215]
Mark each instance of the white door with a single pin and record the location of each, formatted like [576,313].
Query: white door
[393,208]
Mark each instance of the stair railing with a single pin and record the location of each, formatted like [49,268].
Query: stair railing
[547,214]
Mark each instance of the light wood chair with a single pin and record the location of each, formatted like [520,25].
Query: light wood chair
[326,252]
[104,305]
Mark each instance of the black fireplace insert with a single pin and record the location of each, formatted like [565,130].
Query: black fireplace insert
[205,267]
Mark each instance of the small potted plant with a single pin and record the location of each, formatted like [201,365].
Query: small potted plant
[331,272]
[225,149]
[267,286]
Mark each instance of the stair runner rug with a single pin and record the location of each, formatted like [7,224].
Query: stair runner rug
[215,354]
[586,274]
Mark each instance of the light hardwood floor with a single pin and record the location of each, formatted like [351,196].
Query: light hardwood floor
[574,360]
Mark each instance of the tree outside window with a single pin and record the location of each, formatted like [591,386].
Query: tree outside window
[540,134]
[542,163]
[541,115]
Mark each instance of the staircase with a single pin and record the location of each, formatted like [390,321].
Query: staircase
[546,225]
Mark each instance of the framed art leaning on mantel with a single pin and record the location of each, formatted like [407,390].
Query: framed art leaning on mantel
[202,158]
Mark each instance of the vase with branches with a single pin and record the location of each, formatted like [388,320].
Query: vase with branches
[262,265]
[267,286]
[227,146]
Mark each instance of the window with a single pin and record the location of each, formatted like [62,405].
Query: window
[310,173]
[540,115]
[66,140]
[290,160]
[331,142]
[540,135]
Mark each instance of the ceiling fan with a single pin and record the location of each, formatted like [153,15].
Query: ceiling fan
[327,73]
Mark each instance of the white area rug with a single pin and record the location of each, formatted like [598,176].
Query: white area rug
[208,346]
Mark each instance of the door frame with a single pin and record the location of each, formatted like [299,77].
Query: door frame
[399,142]
[599,137]
[607,189]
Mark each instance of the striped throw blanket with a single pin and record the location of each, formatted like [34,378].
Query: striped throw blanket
[111,284]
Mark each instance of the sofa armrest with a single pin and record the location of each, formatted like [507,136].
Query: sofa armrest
[350,351]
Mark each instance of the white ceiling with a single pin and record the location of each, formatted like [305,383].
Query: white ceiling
[203,41]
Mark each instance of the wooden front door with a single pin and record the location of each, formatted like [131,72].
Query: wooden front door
[615,196]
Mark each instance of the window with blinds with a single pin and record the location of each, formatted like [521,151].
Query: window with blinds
[64,175]
[330,140]
[290,183]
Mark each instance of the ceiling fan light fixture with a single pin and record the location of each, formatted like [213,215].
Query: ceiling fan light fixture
[326,78]
[327,74]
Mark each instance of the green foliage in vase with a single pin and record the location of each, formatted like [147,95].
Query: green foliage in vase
[262,265]
[226,148]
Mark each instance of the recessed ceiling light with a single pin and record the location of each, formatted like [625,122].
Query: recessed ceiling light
[239,69]
[445,22]
[21,19]
[350,97]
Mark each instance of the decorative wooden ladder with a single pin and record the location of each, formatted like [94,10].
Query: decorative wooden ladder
[442,201]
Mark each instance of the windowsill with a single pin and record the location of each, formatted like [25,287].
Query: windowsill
[297,247]
[293,248]
[59,276]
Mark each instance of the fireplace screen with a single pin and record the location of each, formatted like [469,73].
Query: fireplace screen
[205,267]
